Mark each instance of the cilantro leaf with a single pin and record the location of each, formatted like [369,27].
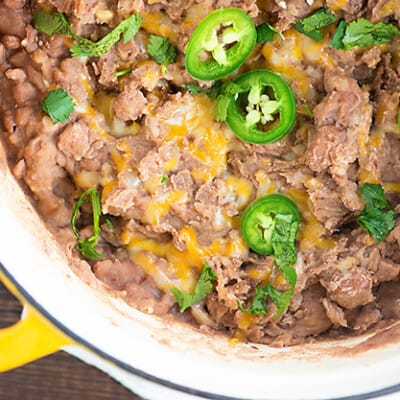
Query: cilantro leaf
[281,299]
[374,219]
[110,223]
[311,25]
[52,23]
[58,104]
[283,245]
[161,50]
[266,33]
[315,35]
[203,288]
[221,108]
[164,178]
[364,33]
[86,48]
[57,23]
[337,40]
[258,305]
[87,246]
[123,72]
[283,239]
[223,92]
[194,88]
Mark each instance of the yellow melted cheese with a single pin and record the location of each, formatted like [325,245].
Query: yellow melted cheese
[161,207]
[159,24]
[182,265]
[193,128]
[311,232]
[368,144]
[287,59]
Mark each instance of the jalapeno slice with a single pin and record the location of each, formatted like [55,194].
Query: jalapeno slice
[258,220]
[220,44]
[263,110]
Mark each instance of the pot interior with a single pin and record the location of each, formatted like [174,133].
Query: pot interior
[176,354]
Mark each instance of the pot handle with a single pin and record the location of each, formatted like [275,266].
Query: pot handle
[31,338]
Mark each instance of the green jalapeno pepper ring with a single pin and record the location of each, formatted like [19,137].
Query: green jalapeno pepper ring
[257,224]
[245,127]
[238,30]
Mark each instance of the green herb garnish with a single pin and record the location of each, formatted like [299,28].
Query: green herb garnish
[337,40]
[161,50]
[109,223]
[374,219]
[284,250]
[258,305]
[87,246]
[194,88]
[364,33]
[223,92]
[86,48]
[58,104]
[83,47]
[164,179]
[52,23]
[266,33]
[203,288]
[123,72]
[311,25]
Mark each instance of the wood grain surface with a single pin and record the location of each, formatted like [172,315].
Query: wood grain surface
[57,377]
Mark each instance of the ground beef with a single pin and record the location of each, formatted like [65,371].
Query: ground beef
[174,182]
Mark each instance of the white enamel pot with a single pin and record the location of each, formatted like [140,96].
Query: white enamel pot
[160,360]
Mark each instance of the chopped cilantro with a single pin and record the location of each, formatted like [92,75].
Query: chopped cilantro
[222,92]
[374,219]
[86,48]
[161,50]
[337,40]
[87,246]
[164,179]
[58,104]
[266,33]
[57,23]
[364,33]
[194,88]
[123,72]
[311,25]
[283,244]
[109,223]
[52,23]
[203,288]
[258,305]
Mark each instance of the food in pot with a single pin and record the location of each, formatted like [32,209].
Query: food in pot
[233,164]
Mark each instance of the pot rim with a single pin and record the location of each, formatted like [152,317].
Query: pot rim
[149,377]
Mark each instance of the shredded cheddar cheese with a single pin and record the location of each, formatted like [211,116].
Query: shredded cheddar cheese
[312,232]
[181,264]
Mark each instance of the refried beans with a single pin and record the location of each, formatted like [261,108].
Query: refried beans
[200,216]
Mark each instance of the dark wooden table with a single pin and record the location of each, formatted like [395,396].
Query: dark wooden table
[57,377]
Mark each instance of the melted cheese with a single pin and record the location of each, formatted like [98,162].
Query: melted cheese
[336,5]
[159,24]
[312,232]
[161,206]
[87,179]
[369,145]
[193,128]
[241,189]
[182,265]
[392,187]
[288,60]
